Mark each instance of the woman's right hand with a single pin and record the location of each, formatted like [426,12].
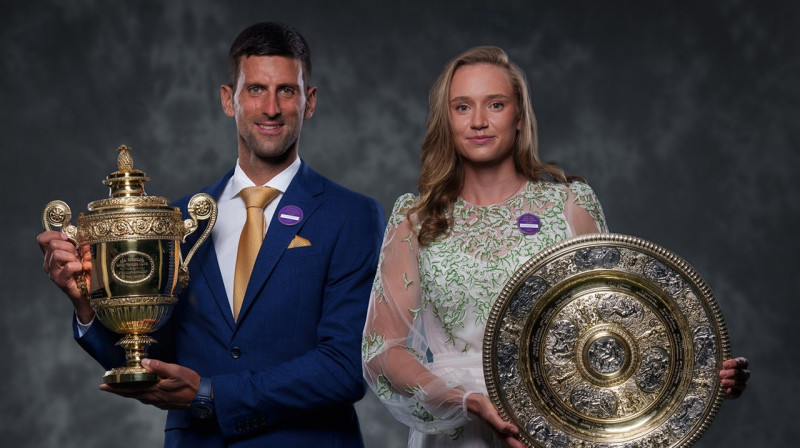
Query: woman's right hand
[481,406]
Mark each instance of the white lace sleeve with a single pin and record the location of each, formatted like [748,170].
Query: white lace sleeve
[394,345]
[583,210]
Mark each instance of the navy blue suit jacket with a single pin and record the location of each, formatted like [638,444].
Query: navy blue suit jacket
[287,373]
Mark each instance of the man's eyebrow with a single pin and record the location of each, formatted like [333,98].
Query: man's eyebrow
[279,86]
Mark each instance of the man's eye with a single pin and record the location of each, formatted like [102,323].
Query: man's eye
[256,90]
[288,91]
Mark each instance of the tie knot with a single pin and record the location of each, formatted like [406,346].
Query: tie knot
[258,196]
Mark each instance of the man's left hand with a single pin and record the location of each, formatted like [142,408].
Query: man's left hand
[175,389]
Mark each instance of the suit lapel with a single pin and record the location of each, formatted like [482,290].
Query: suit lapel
[301,193]
[206,257]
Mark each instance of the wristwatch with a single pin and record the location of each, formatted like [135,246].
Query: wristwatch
[202,407]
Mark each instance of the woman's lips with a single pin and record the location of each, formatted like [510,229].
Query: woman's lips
[480,139]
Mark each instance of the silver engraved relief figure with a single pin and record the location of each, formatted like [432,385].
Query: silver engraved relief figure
[541,431]
[561,342]
[618,308]
[652,375]
[681,421]
[704,351]
[597,257]
[531,290]
[606,355]
[663,276]
[594,402]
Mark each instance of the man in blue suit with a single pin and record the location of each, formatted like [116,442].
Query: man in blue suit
[280,367]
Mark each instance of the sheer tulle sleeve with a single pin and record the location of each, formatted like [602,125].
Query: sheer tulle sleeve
[583,210]
[394,348]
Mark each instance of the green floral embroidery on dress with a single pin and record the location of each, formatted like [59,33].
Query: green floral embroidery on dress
[371,345]
[408,240]
[415,353]
[417,392]
[407,281]
[419,411]
[586,198]
[463,272]
[384,388]
[457,434]
[403,203]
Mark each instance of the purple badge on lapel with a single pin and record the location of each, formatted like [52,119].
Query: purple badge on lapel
[290,215]
[528,223]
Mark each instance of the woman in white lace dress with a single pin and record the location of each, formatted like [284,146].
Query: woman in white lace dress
[486,205]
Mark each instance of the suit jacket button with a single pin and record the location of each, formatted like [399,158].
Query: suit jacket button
[236,353]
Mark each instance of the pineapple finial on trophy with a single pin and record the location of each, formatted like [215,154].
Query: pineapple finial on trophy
[126,181]
[124,160]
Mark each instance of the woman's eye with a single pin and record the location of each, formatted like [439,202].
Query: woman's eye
[496,106]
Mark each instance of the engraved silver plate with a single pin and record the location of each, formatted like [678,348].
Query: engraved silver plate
[604,341]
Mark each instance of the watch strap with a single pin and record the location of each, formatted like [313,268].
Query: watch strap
[204,390]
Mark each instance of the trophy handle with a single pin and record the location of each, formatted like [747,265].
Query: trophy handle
[56,217]
[201,207]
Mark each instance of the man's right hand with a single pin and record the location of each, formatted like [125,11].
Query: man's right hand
[61,263]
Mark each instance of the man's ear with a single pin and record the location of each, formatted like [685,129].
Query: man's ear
[311,102]
[226,99]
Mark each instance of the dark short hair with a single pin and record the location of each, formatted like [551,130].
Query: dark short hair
[269,39]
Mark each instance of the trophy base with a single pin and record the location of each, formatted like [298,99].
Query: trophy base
[128,376]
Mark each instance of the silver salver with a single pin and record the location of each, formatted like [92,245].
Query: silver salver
[603,341]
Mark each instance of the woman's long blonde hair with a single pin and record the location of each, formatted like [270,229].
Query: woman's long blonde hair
[441,175]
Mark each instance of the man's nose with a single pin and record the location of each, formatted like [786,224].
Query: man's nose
[271,107]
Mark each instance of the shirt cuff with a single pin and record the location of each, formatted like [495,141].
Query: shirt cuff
[81,327]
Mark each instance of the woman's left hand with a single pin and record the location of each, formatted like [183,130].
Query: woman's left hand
[734,376]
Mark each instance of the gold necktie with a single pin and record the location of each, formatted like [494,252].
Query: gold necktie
[255,199]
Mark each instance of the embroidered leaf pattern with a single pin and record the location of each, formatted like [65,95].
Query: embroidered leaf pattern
[384,389]
[371,345]
[462,273]
[419,411]
[458,433]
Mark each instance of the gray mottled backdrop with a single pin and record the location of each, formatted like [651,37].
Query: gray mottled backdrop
[682,115]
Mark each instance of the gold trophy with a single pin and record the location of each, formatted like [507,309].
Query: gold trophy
[137,269]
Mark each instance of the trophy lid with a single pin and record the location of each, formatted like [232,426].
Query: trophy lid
[126,181]
[126,185]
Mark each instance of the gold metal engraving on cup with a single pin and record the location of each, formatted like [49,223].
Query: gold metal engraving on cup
[132,242]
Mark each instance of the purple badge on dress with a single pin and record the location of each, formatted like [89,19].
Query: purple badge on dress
[290,215]
[528,223]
